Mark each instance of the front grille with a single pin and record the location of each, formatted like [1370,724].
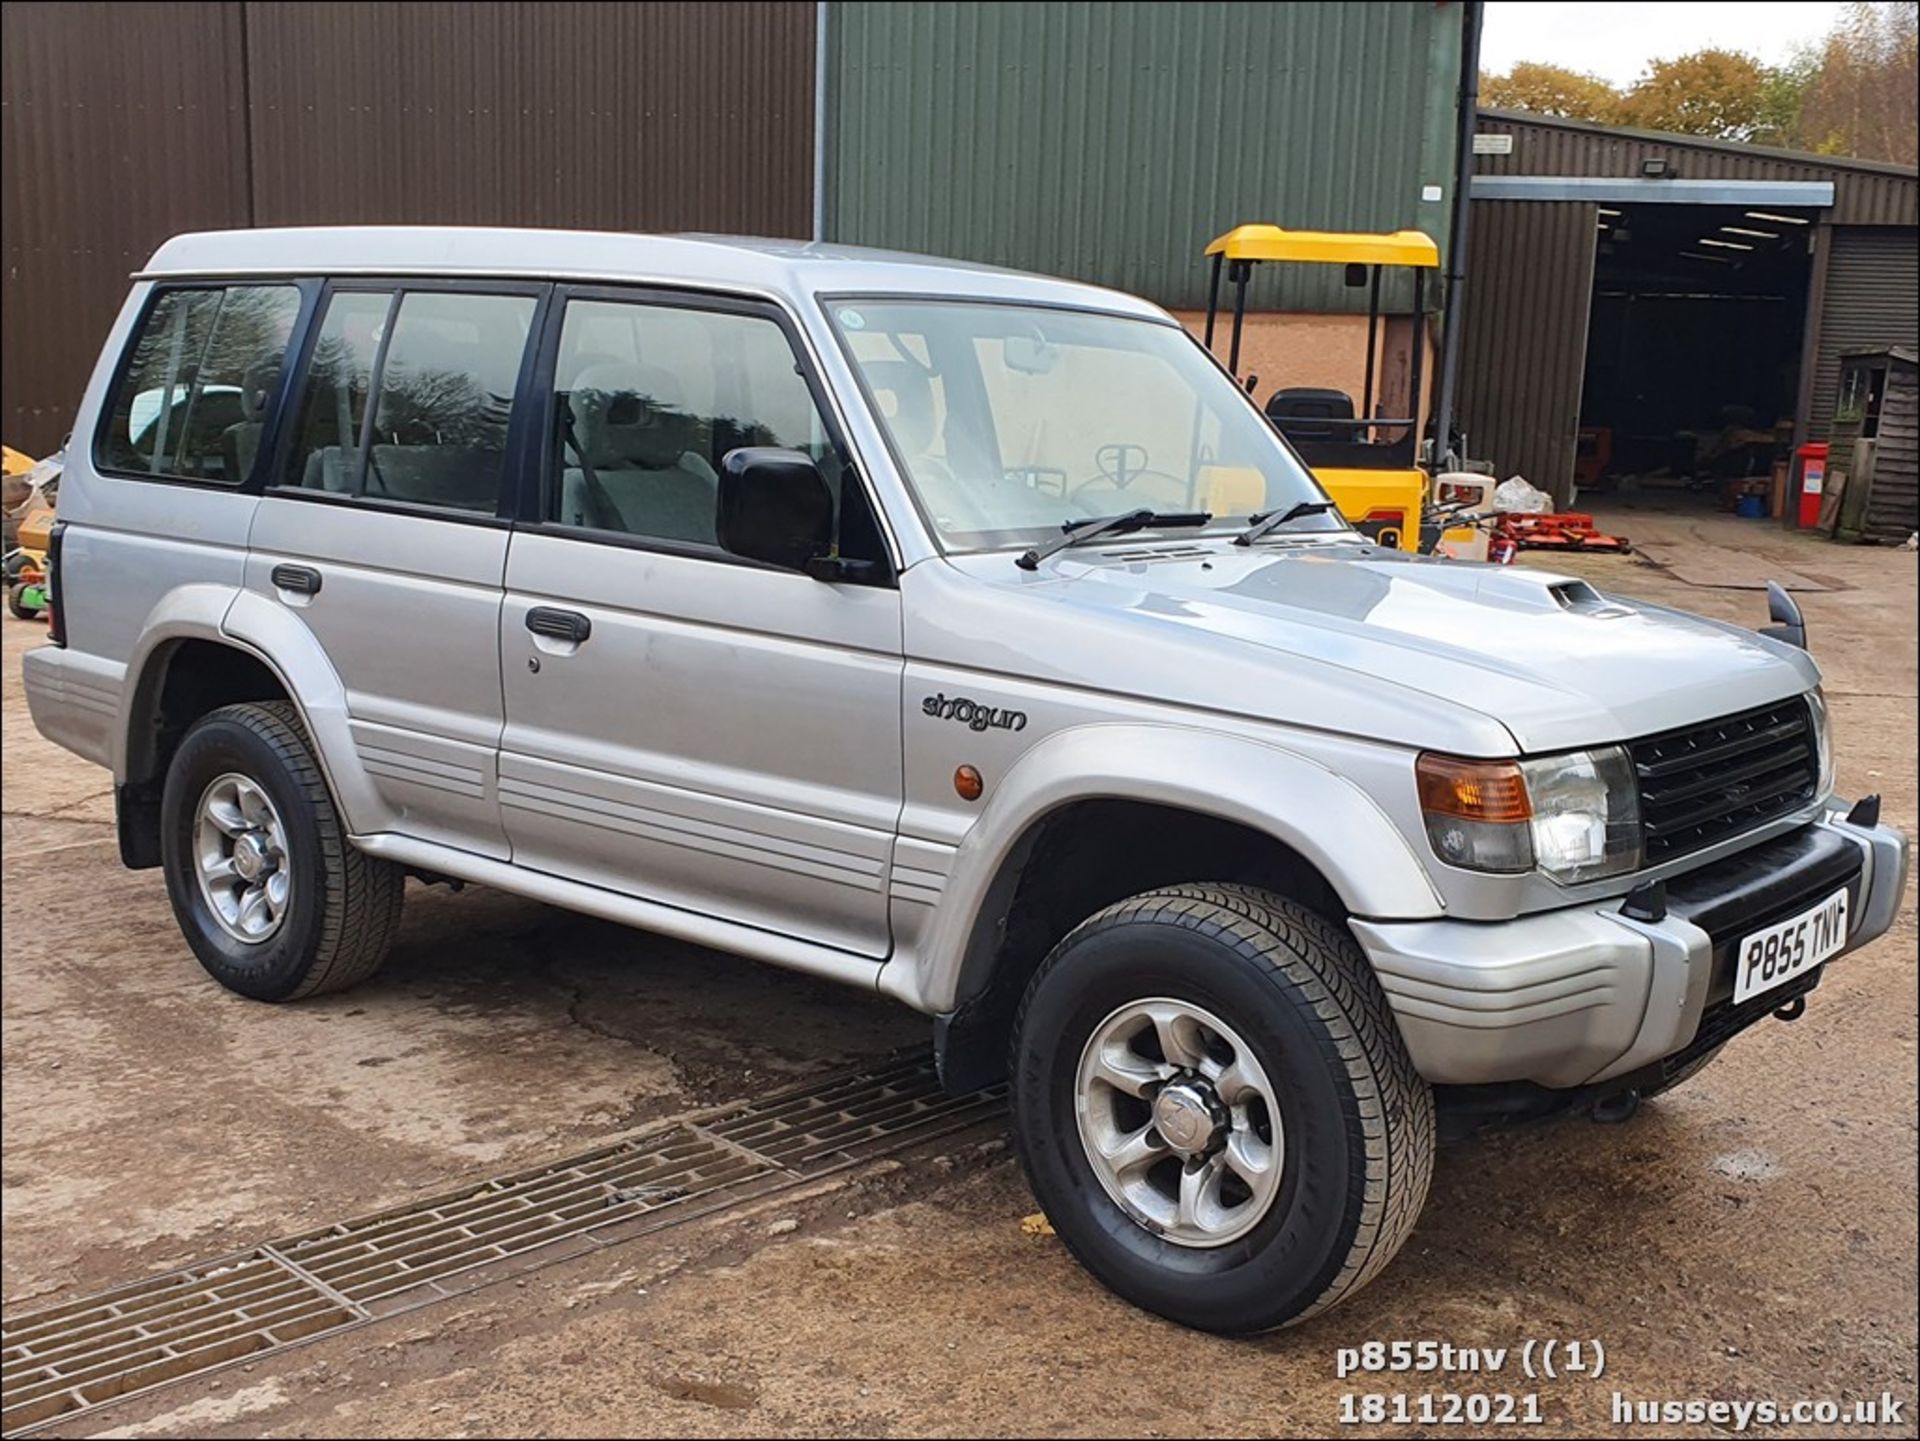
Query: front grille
[1711,782]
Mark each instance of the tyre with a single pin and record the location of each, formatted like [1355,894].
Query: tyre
[16,602]
[274,901]
[1215,1109]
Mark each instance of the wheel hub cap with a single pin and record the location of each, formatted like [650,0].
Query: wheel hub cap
[240,858]
[250,857]
[1184,1114]
[1179,1121]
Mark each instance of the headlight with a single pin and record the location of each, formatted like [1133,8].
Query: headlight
[1822,742]
[1576,817]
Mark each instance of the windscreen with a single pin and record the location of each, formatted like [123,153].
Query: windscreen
[1010,420]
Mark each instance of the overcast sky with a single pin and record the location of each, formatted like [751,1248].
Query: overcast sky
[1616,40]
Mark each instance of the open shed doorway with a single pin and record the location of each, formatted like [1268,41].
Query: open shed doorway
[1694,348]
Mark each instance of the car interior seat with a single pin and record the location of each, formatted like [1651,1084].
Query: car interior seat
[634,459]
[240,442]
[904,393]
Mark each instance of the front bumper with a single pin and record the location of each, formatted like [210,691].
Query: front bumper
[1573,997]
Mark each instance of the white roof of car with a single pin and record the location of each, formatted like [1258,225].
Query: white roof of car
[790,268]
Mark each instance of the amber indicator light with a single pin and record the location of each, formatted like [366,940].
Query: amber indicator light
[1473,790]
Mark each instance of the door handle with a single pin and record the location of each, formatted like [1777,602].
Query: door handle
[300,579]
[556,624]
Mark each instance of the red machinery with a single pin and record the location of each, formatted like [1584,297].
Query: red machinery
[1567,530]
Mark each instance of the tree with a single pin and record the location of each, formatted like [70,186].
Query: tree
[1860,98]
[1721,94]
[1551,90]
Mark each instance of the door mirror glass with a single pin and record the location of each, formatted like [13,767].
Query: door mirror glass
[774,507]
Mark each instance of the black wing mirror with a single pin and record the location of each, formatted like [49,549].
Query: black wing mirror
[774,507]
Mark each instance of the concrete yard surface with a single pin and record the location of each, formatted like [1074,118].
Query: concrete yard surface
[1751,1238]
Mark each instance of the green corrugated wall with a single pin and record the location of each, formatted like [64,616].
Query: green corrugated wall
[1111,141]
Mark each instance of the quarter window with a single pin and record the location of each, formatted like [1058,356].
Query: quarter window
[430,428]
[650,398]
[192,401]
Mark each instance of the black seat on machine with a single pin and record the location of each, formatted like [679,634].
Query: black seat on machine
[1301,410]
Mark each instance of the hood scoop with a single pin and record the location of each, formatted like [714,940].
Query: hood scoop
[1538,591]
[1582,599]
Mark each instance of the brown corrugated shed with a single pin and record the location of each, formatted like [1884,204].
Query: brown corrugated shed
[1529,290]
[1865,192]
[119,126]
[1524,351]
[588,116]
[127,123]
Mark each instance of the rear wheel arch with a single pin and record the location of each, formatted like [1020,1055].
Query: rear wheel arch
[179,679]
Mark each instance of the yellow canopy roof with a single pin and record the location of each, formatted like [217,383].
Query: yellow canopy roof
[1270,242]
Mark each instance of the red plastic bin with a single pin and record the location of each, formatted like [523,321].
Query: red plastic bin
[1811,460]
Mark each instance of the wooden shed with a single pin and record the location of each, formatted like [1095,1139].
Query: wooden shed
[1879,411]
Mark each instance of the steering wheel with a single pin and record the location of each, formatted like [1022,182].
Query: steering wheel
[1120,464]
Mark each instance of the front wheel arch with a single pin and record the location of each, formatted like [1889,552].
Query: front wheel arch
[1070,863]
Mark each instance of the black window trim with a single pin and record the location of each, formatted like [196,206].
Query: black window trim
[538,481]
[307,287]
[513,455]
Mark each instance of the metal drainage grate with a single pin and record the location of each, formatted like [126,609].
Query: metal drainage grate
[86,1352]
[72,1357]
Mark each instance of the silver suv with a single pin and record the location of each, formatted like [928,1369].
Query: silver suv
[962,635]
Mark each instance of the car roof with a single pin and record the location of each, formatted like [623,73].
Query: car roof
[790,268]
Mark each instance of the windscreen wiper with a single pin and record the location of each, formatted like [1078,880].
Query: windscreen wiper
[1072,532]
[1274,519]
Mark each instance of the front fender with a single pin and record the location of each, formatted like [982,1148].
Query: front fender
[1334,825]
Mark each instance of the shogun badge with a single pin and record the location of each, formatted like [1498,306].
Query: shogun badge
[972,714]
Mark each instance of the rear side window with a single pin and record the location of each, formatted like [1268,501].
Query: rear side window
[408,397]
[192,400]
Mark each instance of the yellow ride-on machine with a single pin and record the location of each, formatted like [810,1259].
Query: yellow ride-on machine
[1368,463]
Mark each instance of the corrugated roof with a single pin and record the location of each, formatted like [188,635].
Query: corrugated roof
[1866,192]
[1700,142]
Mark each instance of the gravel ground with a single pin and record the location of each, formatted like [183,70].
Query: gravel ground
[1750,1238]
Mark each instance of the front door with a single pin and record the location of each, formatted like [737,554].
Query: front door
[683,726]
[384,534]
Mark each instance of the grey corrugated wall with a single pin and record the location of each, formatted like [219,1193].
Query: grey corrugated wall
[1872,299]
[1110,142]
[1523,353]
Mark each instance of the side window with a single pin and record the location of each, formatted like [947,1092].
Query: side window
[650,398]
[192,401]
[438,408]
[326,437]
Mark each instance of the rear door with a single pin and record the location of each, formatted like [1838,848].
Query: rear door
[386,534]
[683,726]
